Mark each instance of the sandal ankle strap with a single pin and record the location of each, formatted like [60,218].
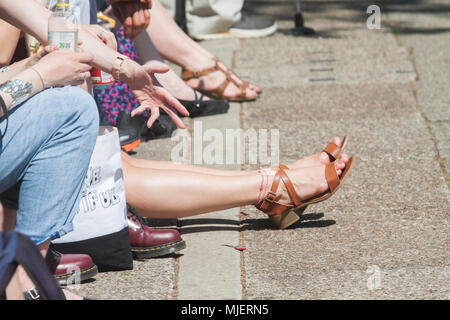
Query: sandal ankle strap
[188,74]
[230,76]
[269,200]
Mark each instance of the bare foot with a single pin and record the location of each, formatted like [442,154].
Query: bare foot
[177,87]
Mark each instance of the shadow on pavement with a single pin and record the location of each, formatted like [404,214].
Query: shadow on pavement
[283,10]
[310,220]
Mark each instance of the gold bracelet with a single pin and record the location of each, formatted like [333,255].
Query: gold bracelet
[40,77]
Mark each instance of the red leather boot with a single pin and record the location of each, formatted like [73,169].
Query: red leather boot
[70,268]
[147,242]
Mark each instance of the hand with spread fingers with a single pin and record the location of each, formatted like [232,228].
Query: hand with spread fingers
[151,97]
[133,14]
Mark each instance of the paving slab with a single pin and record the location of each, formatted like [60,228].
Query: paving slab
[384,235]
[425,30]
[389,220]
[209,269]
[152,279]
[210,266]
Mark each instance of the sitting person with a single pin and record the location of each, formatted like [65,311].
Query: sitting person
[41,138]
[50,135]
[213,78]
[220,19]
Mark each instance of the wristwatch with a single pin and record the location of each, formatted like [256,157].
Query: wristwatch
[19,90]
[117,66]
[4,69]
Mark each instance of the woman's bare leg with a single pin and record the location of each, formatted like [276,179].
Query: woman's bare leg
[170,80]
[168,193]
[174,45]
[13,290]
[160,193]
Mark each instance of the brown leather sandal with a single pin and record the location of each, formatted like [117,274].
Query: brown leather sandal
[218,93]
[283,215]
[334,151]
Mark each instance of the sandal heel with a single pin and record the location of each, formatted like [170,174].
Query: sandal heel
[282,221]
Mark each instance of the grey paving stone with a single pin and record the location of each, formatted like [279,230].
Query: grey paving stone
[389,93]
[410,283]
[208,268]
[335,101]
[151,279]
[370,139]
[391,213]
[431,62]
[354,61]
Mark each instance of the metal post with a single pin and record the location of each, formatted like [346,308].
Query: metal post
[300,29]
[180,14]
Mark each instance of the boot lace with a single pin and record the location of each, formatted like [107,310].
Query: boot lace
[135,217]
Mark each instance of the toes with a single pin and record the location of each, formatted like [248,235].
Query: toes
[339,165]
[250,94]
[255,88]
[339,172]
[344,158]
[324,158]
[337,141]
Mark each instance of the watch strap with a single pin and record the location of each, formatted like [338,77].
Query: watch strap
[116,67]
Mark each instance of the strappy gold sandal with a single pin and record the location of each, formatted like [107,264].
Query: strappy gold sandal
[218,93]
[283,215]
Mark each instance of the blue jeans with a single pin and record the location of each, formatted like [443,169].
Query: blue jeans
[48,146]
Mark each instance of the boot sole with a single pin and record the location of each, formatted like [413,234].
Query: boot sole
[158,251]
[84,274]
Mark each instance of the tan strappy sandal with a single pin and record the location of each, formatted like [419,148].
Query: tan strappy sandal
[334,153]
[284,215]
[218,93]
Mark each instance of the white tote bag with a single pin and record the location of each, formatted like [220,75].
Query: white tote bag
[100,225]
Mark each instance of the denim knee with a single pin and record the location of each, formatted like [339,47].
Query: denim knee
[85,109]
[69,150]
[80,113]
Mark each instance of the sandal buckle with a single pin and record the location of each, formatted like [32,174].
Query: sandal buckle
[270,197]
